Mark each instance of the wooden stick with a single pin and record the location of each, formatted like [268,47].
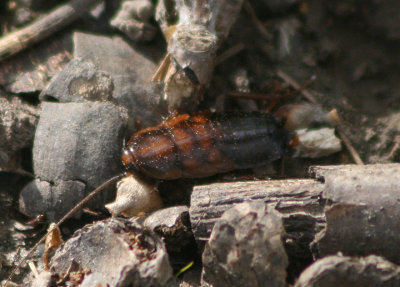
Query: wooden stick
[260,26]
[354,154]
[340,199]
[297,86]
[64,15]
[229,53]
[159,74]
[299,201]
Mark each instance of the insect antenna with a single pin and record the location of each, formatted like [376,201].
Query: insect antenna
[65,217]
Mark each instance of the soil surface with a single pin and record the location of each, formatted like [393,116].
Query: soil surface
[349,49]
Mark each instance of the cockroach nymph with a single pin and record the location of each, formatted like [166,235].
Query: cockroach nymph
[206,144]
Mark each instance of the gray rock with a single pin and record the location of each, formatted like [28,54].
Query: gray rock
[246,249]
[79,81]
[333,271]
[17,125]
[131,70]
[133,19]
[76,144]
[31,70]
[54,200]
[173,225]
[119,253]
[167,217]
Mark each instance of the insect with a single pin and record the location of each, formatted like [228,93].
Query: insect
[206,144]
[196,146]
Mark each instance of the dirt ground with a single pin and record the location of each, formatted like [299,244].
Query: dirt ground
[349,48]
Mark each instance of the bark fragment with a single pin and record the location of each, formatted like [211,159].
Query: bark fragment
[194,31]
[364,211]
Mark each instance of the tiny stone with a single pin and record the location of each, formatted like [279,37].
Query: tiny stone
[167,217]
[41,197]
[173,226]
[117,252]
[79,81]
[333,271]
[245,248]
[317,143]
[133,19]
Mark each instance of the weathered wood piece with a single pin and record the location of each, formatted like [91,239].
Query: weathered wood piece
[297,200]
[44,27]
[364,216]
[194,30]
[355,209]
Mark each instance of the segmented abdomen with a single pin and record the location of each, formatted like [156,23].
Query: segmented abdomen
[204,145]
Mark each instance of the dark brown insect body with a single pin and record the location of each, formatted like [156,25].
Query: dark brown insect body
[203,145]
[196,146]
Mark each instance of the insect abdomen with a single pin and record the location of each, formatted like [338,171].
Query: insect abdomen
[200,146]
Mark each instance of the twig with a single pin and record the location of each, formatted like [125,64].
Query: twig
[65,217]
[260,26]
[297,86]
[16,41]
[229,53]
[394,148]
[162,69]
[357,159]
